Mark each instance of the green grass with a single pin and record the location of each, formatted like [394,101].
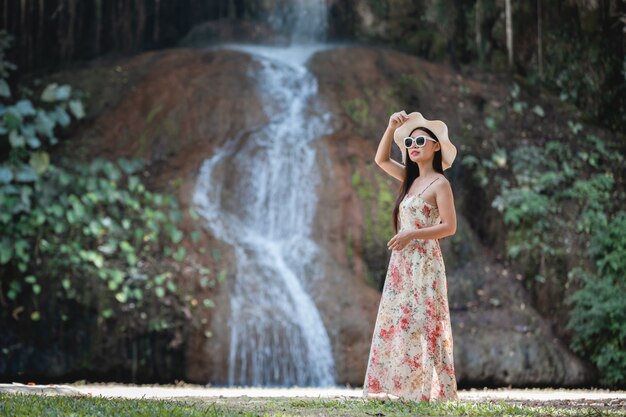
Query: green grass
[14,405]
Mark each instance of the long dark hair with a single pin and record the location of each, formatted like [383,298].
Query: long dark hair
[412,171]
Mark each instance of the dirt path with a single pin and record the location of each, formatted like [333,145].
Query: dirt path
[602,399]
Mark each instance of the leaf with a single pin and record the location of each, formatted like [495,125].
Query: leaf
[176,216]
[117,276]
[6,175]
[222,275]
[6,251]
[33,142]
[538,110]
[61,116]
[160,292]
[499,157]
[76,107]
[112,172]
[49,93]
[63,92]
[194,214]
[133,182]
[44,124]
[131,259]
[98,260]
[109,247]
[59,228]
[25,173]
[515,90]
[40,161]
[180,254]
[121,297]
[176,235]
[12,119]
[127,247]
[5,90]
[518,106]
[16,140]
[25,107]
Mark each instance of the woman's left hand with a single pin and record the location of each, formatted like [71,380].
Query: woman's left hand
[399,241]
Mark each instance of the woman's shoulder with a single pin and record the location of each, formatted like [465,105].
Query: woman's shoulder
[442,178]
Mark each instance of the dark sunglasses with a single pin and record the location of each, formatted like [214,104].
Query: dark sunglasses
[419,141]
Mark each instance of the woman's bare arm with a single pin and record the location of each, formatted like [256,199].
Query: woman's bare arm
[383,154]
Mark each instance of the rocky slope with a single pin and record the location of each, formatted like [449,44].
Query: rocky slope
[174,106]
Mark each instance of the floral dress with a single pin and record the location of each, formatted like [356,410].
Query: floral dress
[411,355]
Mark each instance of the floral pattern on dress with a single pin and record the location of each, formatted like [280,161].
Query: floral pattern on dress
[411,355]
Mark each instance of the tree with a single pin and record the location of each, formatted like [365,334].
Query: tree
[509,32]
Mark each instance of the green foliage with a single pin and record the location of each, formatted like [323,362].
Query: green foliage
[5,66]
[579,72]
[92,234]
[598,317]
[556,200]
[82,241]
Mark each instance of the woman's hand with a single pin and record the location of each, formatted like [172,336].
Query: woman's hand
[396,119]
[399,241]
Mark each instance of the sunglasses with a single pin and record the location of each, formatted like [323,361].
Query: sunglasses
[420,141]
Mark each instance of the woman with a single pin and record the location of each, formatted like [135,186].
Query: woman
[411,356]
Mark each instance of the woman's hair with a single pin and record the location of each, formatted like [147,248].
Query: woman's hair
[412,171]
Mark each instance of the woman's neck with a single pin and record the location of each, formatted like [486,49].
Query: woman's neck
[426,168]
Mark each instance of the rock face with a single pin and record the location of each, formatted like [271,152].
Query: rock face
[176,106]
[499,337]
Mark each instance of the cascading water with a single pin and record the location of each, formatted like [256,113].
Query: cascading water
[265,212]
[304,21]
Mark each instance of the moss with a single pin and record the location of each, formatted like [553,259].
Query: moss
[155,126]
[349,250]
[377,205]
[384,210]
[369,278]
[360,109]
[365,191]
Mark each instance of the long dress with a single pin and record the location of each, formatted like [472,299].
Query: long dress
[411,355]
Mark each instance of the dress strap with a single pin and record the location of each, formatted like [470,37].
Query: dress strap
[428,185]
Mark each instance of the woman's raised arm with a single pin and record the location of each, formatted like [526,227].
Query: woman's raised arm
[383,154]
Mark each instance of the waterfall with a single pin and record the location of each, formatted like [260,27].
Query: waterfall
[258,194]
[303,21]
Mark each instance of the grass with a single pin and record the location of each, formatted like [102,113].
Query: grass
[20,405]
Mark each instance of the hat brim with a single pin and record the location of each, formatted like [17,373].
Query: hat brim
[439,128]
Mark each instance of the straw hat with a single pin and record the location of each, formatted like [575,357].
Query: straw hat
[439,128]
